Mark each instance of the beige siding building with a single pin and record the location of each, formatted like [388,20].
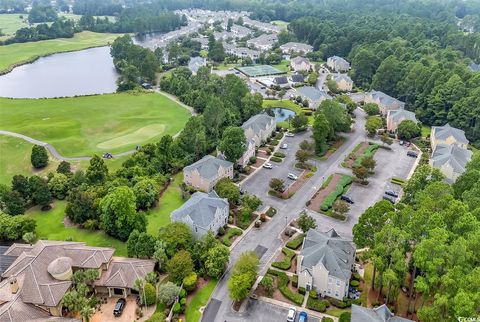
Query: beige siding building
[259,127]
[338,64]
[395,117]
[343,81]
[325,263]
[206,172]
[385,102]
[448,135]
[300,64]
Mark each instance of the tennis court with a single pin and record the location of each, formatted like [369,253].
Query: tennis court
[259,70]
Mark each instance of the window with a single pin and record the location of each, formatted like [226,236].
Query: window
[329,291]
[338,283]
[336,294]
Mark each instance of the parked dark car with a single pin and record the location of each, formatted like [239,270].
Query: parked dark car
[412,154]
[388,198]
[391,193]
[347,199]
[119,306]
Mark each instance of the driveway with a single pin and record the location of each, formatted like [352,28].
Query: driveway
[105,314]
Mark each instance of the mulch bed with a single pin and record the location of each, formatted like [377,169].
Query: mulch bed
[318,197]
[357,153]
[333,148]
[293,268]
[295,186]
[258,163]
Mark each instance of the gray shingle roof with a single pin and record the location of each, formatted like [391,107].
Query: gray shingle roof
[298,60]
[201,208]
[208,166]
[443,132]
[452,154]
[313,93]
[334,252]
[474,67]
[385,99]
[296,46]
[401,115]
[195,63]
[280,80]
[258,123]
[338,77]
[5,260]
[297,78]
[379,314]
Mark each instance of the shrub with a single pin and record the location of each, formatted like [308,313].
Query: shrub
[182,293]
[345,317]
[279,135]
[253,160]
[183,301]
[369,152]
[316,305]
[282,283]
[271,212]
[338,303]
[354,283]
[339,190]
[279,154]
[296,242]
[301,290]
[150,294]
[176,308]
[157,317]
[356,276]
[286,263]
[326,319]
[263,217]
[274,142]
[295,280]
[230,233]
[313,294]
[276,159]
[221,231]
[309,175]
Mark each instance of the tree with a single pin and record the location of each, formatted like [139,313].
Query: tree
[118,213]
[373,124]
[97,171]
[148,294]
[306,222]
[58,186]
[233,143]
[408,129]
[21,185]
[312,78]
[422,176]
[14,227]
[386,139]
[368,163]
[299,121]
[321,131]
[332,86]
[276,184]
[14,203]
[176,236]
[29,237]
[64,168]
[252,202]
[225,188]
[192,140]
[337,117]
[252,105]
[146,193]
[39,157]
[243,276]
[371,222]
[41,195]
[180,266]
[360,172]
[217,260]
[81,206]
[371,109]
[340,207]
[302,156]
[267,284]
[160,254]
[167,293]
[141,245]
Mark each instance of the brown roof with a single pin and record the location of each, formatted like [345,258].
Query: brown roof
[31,269]
[122,272]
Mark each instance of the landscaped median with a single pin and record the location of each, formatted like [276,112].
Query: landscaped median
[360,152]
[231,234]
[329,192]
[286,262]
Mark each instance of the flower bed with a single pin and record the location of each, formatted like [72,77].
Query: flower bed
[340,188]
[296,242]
[287,260]
[282,282]
[230,234]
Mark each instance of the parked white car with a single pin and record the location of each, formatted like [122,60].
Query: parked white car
[284,146]
[268,165]
[292,176]
[290,135]
[292,313]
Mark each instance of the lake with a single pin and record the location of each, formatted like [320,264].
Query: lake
[83,72]
[282,114]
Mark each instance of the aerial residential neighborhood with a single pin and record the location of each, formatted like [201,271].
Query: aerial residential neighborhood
[239,161]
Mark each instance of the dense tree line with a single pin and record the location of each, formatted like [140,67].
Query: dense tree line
[61,28]
[42,13]
[433,236]
[97,8]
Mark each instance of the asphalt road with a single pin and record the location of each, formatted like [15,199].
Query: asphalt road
[389,163]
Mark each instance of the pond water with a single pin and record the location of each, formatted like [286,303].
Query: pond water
[282,114]
[83,72]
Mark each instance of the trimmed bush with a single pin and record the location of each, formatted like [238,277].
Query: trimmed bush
[252,159]
[279,135]
[296,242]
[176,308]
[282,282]
[287,261]
[294,280]
[356,276]
[183,301]
[276,159]
[279,154]
[313,294]
[190,282]
[317,305]
[345,317]
[339,190]
[182,293]
[301,290]
[339,304]
[150,294]
[369,152]
[271,212]
[326,319]
[354,283]
[230,233]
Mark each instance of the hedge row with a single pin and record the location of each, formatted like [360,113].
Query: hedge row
[230,233]
[286,263]
[282,283]
[317,305]
[398,181]
[369,152]
[296,242]
[279,154]
[339,189]
[276,159]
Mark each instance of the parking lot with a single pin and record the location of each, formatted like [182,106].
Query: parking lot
[258,184]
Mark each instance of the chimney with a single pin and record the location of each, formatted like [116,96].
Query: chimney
[14,285]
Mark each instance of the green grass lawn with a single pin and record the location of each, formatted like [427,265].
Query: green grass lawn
[200,299]
[25,52]
[81,126]
[284,66]
[426,130]
[170,200]
[279,23]
[10,23]
[50,226]
[337,312]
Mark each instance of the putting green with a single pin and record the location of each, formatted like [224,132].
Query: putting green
[139,136]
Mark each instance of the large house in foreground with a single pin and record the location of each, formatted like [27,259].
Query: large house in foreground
[385,102]
[325,263]
[395,117]
[202,213]
[338,64]
[449,151]
[379,314]
[33,286]
[206,172]
[257,129]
